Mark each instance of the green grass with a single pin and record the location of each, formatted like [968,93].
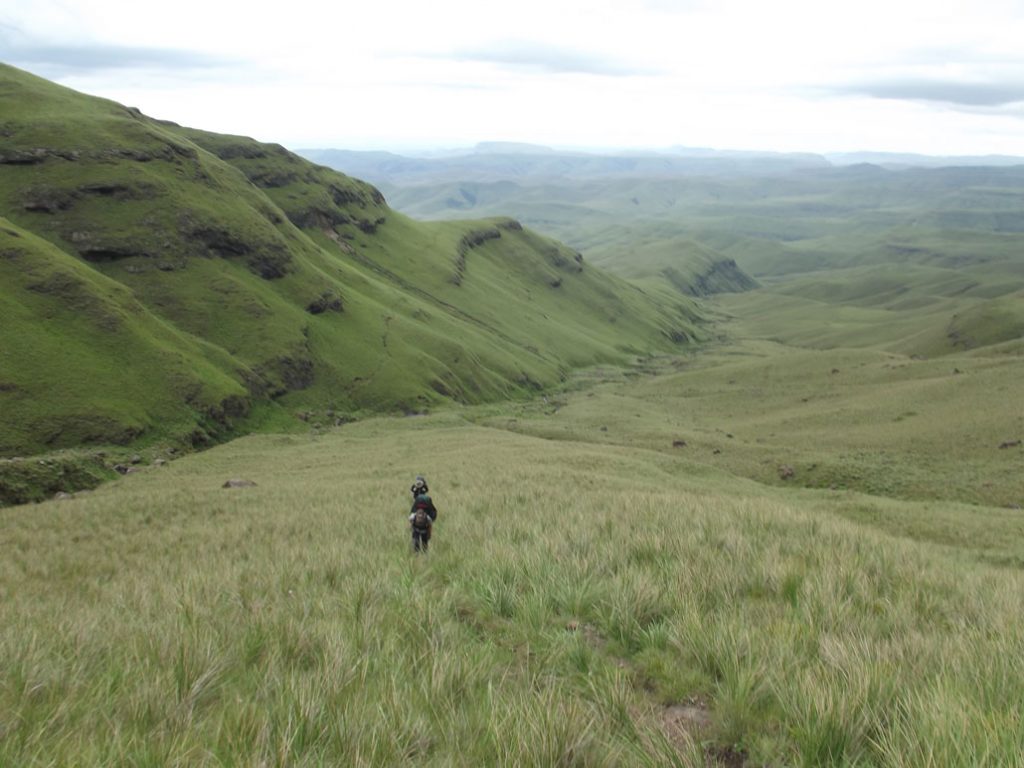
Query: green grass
[573,591]
[772,222]
[800,544]
[84,361]
[840,419]
[250,277]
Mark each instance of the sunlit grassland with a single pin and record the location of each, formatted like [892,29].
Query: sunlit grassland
[573,590]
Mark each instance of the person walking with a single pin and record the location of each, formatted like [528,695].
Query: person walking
[422,515]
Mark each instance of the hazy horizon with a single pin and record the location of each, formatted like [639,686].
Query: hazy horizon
[427,151]
[933,78]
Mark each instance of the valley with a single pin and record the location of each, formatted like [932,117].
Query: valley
[201,285]
[727,453]
[619,575]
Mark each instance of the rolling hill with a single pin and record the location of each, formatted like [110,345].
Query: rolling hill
[165,282]
[916,260]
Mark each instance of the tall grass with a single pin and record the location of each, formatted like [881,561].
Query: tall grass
[571,591]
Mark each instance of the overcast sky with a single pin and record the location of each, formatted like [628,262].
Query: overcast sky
[929,76]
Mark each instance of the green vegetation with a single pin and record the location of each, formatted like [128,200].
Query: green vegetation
[862,420]
[798,542]
[922,262]
[86,362]
[597,599]
[659,218]
[37,479]
[186,280]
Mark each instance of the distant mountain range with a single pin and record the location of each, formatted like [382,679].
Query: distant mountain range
[497,161]
[908,160]
[685,216]
[927,253]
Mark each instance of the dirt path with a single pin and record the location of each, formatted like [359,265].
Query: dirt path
[683,724]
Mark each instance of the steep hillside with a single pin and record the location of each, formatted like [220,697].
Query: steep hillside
[773,220]
[68,332]
[920,261]
[619,223]
[163,282]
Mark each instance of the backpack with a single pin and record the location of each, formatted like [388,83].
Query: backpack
[421,518]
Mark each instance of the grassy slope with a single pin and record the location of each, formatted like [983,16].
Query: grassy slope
[915,310]
[84,361]
[840,419]
[619,224]
[574,591]
[283,279]
[948,238]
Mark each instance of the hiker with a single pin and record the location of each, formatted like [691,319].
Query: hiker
[422,515]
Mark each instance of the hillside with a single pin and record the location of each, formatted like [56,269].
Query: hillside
[916,260]
[165,282]
[595,595]
[798,542]
[598,203]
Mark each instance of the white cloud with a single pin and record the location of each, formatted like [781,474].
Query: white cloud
[938,76]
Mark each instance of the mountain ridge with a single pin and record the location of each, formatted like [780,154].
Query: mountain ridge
[270,281]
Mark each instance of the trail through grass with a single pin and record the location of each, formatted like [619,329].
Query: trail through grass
[573,592]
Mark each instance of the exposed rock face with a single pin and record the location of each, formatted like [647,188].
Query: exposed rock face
[327,301]
[97,253]
[37,155]
[269,260]
[34,156]
[247,149]
[724,276]
[370,227]
[47,199]
[293,373]
[477,237]
[319,217]
[469,241]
